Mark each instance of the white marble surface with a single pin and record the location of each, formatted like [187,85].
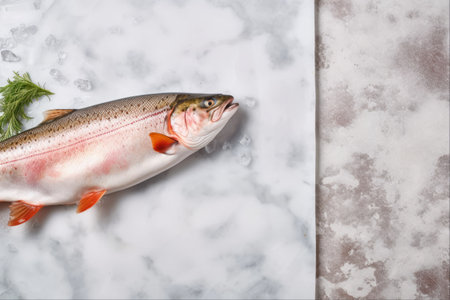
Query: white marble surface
[235,221]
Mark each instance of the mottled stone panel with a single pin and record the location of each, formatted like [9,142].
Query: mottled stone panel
[383,155]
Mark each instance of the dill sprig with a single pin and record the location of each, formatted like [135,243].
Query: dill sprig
[16,95]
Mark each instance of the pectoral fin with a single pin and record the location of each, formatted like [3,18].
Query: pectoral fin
[53,114]
[20,212]
[89,199]
[162,143]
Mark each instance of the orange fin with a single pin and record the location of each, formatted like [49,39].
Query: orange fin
[162,143]
[53,114]
[20,212]
[89,199]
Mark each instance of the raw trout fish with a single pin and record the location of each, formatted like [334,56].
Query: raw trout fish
[79,155]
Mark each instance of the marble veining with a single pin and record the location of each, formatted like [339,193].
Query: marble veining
[383,133]
[235,220]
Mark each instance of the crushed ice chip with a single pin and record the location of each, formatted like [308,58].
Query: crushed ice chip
[245,140]
[61,57]
[7,43]
[9,56]
[211,147]
[83,84]
[58,76]
[226,146]
[52,42]
[244,158]
[22,33]
[250,102]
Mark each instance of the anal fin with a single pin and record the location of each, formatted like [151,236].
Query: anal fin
[89,199]
[20,212]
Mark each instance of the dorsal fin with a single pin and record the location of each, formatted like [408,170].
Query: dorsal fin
[53,114]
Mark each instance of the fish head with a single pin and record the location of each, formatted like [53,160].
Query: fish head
[196,119]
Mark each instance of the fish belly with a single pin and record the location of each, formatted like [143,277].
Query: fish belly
[113,161]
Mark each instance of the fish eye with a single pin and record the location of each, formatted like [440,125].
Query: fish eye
[209,102]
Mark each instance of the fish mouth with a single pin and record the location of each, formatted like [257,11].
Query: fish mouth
[227,106]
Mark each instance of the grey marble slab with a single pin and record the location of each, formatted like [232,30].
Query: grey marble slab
[383,171]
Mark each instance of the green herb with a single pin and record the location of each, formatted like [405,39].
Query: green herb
[16,95]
